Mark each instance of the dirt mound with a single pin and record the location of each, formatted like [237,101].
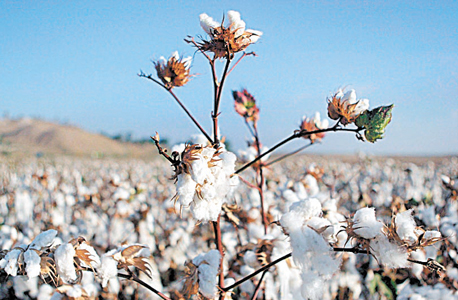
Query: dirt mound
[36,136]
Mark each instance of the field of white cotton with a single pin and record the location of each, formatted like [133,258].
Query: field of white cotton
[373,229]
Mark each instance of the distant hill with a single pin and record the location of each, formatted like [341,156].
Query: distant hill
[33,136]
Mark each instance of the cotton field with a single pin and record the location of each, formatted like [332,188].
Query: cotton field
[372,229]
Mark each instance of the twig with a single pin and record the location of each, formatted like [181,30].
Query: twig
[266,267]
[248,183]
[144,284]
[219,246]
[179,103]
[219,89]
[296,135]
[289,154]
[255,295]
[244,54]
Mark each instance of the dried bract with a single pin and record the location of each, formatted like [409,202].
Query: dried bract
[226,40]
[309,125]
[173,72]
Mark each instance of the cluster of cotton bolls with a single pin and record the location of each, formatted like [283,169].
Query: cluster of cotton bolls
[204,178]
[392,209]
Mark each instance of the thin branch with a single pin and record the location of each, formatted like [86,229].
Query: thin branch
[290,154]
[162,151]
[244,54]
[144,284]
[218,99]
[266,267]
[191,41]
[296,135]
[261,180]
[248,183]
[255,295]
[219,246]
[179,103]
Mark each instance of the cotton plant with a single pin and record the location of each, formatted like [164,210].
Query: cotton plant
[232,228]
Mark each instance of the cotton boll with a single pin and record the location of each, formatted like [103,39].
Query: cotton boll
[93,256]
[32,262]
[108,268]
[64,262]
[405,227]
[417,269]
[365,223]
[10,262]
[21,286]
[208,266]
[299,213]
[389,254]
[312,286]
[45,292]
[44,239]
[433,234]
[186,188]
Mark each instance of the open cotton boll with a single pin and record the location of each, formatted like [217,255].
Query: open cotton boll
[405,226]
[9,262]
[299,213]
[389,254]
[108,268]
[365,223]
[93,256]
[32,263]
[208,265]
[312,286]
[433,234]
[64,262]
[44,239]
[325,227]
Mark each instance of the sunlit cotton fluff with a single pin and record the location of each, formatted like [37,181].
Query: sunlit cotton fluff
[227,39]
[108,267]
[208,265]
[64,262]
[389,254]
[365,224]
[345,107]
[204,180]
[406,227]
[311,252]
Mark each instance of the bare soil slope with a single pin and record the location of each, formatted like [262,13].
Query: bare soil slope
[33,136]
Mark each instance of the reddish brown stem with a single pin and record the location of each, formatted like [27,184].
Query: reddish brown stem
[261,181]
[289,154]
[218,93]
[219,246]
[244,54]
[248,183]
[179,103]
[295,135]
[258,287]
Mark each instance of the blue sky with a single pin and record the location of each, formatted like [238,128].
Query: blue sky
[77,61]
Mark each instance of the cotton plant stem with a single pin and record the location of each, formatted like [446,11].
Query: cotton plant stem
[261,180]
[218,93]
[295,135]
[258,287]
[241,57]
[219,246]
[266,267]
[289,154]
[144,284]
[181,105]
